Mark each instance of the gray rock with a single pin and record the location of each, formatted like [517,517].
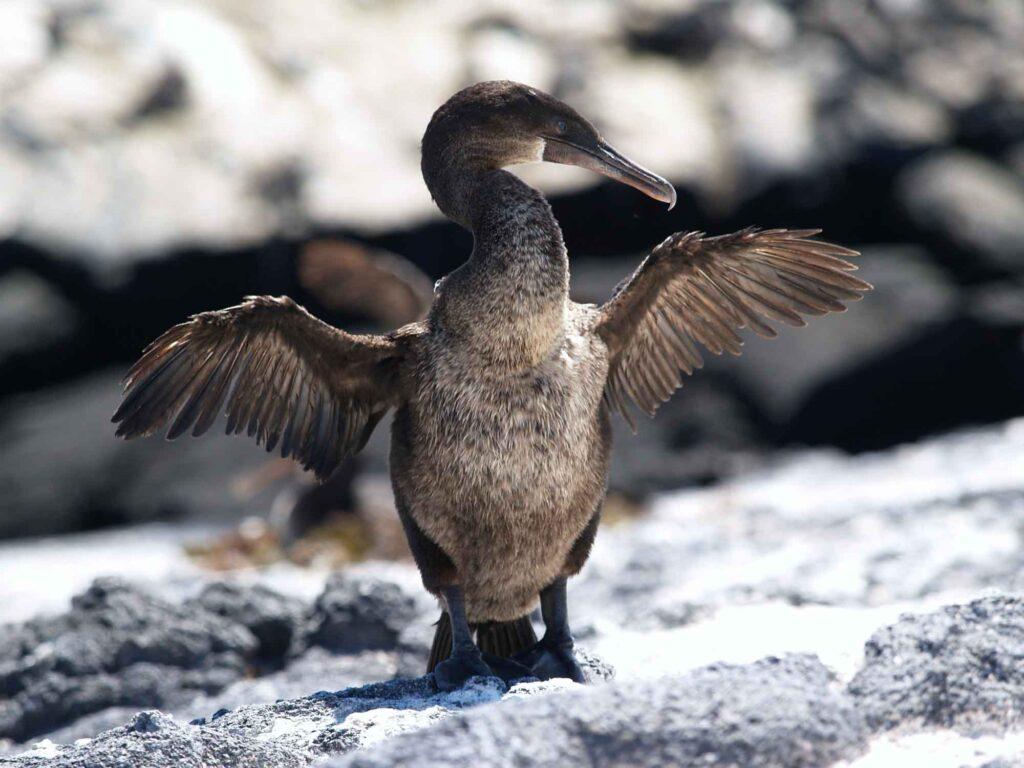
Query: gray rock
[154,740]
[62,469]
[274,619]
[123,137]
[312,671]
[116,646]
[910,294]
[879,114]
[286,733]
[776,712]
[33,316]
[969,202]
[961,667]
[354,613]
[1017,761]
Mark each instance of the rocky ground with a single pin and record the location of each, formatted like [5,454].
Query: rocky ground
[792,607]
[824,610]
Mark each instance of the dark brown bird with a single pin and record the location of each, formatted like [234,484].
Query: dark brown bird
[503,395]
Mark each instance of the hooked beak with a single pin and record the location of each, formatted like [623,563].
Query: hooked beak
[604,159]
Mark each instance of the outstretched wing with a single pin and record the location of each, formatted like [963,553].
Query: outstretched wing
[693,289]
[279,374]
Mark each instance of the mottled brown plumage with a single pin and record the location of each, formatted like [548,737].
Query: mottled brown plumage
[503,395]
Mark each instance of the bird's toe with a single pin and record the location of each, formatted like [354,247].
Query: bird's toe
[452,673]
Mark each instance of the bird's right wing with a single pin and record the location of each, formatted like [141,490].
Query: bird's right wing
[276,371]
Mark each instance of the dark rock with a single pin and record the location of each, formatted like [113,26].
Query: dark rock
[710,430]
[273,618]
[356,613]
[595,669]
[168,93]
[959,667]
[970,204]
[117,646]
[776,712]
[891,396]
[994,123]
[910,295]
[62,469]
[33,316]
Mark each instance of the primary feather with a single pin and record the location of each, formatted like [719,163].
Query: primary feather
[278,373]
[694,290]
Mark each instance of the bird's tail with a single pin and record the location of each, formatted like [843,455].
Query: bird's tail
[499,638]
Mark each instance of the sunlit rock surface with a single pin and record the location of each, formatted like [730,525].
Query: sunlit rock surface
[131,126]
[823,609]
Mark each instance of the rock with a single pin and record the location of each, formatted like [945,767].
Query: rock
[888,396]
[911,294]
[970,204]
[88,478]
[815,529]
[811,554]
[119,648]
[273,619]
[1016,761]
[777,712]
[710,430]
[154,739]
[123,137]
[879,115]
[116,646]
[288,733]
[33,316]
[356,613]
[313,670]
[957,668]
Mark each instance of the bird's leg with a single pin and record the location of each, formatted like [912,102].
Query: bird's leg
[553,655]
[466,660]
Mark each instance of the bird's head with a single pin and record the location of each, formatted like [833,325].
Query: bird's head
[501,123]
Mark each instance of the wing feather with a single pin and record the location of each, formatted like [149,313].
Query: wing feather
[277,372]
[695,290]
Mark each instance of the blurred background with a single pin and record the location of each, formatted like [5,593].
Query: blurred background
[163,158]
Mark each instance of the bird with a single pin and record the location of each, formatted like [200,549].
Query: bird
[503,396]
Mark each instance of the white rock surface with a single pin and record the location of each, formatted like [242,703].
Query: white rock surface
[811,556]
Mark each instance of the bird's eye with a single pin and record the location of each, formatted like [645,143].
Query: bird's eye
[561,126]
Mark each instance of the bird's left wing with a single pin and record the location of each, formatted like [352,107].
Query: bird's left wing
[693,289]
[279,373]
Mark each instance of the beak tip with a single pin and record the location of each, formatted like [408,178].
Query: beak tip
[666,193]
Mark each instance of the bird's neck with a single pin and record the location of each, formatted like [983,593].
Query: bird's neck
[510,298]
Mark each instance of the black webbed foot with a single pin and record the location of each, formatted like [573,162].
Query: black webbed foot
[452,673]
[553,656]
[548,660]
[509,670]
